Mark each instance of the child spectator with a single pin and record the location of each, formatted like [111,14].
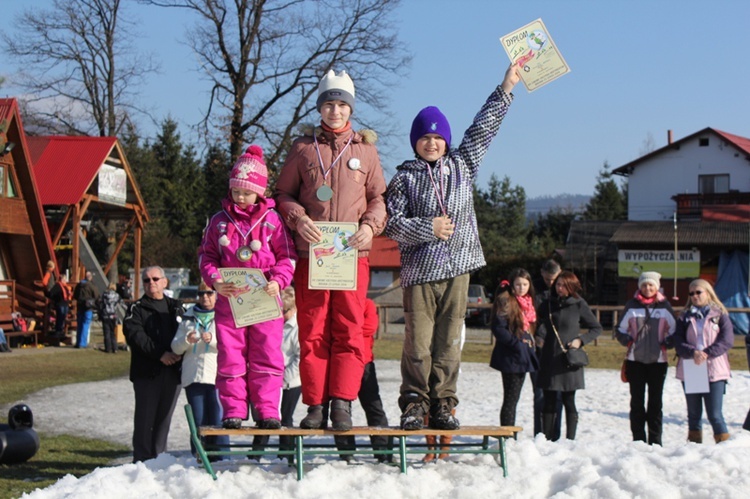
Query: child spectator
[332,174]
[431,216]
[248,232]
[513,326]
[196,342]
[369,392]
[292,384]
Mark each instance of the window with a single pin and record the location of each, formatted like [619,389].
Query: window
[7,189]
[703,142]
[713,184]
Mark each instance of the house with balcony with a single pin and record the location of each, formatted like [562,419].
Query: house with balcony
[704,176]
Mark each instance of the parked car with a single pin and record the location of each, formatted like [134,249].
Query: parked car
[187,294]
[478,296]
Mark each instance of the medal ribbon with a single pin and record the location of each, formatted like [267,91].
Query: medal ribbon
[320,158]
[202,328]
[250,230]
[439,188]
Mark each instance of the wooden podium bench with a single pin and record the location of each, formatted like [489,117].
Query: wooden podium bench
[302,448]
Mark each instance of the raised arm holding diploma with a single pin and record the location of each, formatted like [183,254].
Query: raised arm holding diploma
[536,55]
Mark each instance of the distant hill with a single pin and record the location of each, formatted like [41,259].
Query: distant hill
[542,204]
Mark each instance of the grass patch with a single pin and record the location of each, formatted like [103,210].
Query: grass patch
[57,457]
[28,372]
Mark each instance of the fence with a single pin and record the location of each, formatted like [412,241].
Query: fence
[607,315]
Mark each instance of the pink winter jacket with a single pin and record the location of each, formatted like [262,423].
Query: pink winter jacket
[276,257]
[718,338]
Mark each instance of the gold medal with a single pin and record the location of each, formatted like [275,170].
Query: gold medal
[244,253]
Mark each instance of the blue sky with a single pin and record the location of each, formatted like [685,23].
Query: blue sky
[638,69]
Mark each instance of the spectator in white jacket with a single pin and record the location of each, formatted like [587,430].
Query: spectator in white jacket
[196,341]
[292,383]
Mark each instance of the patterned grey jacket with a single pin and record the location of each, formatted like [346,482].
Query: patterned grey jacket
[412,201]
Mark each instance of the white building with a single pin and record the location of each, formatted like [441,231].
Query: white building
[704,176]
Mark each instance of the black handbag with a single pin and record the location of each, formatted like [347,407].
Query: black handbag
[574,357]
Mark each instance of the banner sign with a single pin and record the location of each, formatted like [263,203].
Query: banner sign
[113,185]
[630,263]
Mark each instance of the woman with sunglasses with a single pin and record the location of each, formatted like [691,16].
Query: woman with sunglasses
[704,335]
[196,342]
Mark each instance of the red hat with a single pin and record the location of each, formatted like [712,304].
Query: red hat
[250,172]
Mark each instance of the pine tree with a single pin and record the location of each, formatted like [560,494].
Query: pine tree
[501,217]
[216,170]
[609,201]
[180,182]
[550,230]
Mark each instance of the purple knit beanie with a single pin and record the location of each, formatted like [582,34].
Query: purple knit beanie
[430,120]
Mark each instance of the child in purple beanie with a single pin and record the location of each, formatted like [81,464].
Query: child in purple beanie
[431,216]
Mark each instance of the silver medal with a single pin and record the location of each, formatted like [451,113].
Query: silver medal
[324,193]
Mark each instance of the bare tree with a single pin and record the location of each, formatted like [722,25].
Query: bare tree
[80,71]
[649,145]
[266,57]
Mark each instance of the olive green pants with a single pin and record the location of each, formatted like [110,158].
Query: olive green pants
[434,314]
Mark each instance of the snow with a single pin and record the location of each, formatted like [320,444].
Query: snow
[601,462]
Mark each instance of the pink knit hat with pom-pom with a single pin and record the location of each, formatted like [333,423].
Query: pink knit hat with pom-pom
[250,172]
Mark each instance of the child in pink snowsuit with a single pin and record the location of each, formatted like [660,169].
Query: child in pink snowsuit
[248,232]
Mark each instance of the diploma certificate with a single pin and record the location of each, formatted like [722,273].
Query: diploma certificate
[696,376]
[333,263]
[251,304]
[536,55]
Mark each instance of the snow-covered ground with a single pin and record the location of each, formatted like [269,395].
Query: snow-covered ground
[601,462]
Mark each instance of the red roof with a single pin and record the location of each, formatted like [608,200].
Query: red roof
[64,167]
[741,142]
[41,245]
[384,254]
[726,213]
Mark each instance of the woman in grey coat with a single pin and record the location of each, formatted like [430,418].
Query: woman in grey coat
[560,321]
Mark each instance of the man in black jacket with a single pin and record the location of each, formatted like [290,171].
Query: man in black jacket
[149,328]
[544,287]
